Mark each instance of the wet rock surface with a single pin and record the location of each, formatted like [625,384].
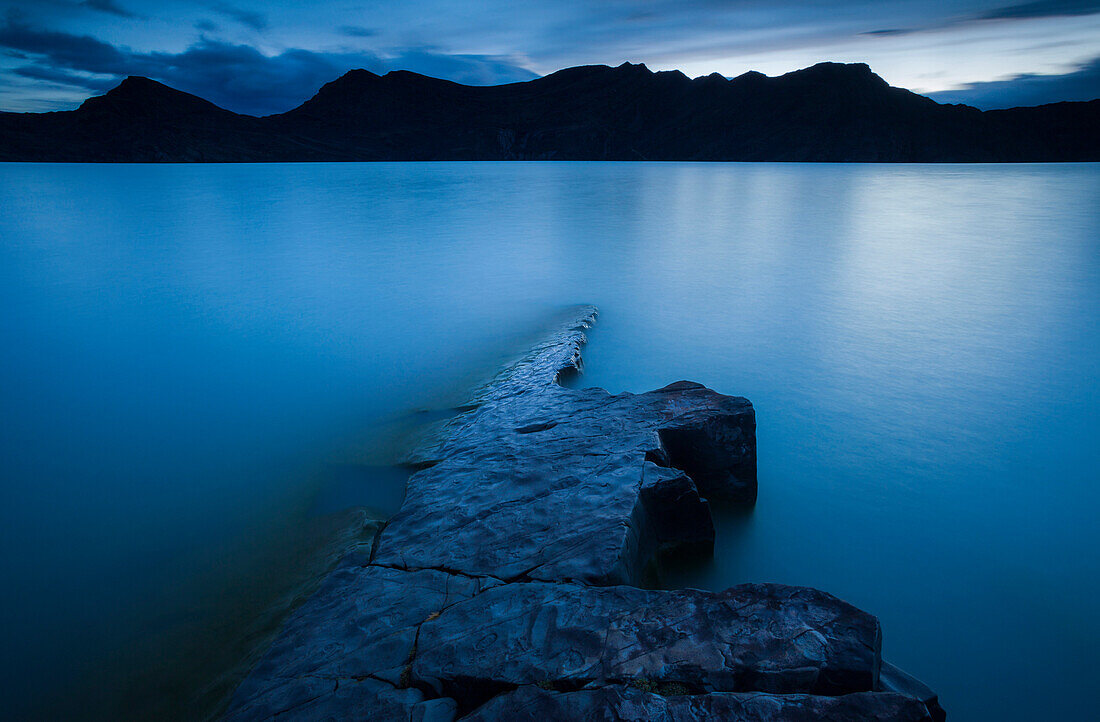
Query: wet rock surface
[543,482]
[616,702]
[761,637]
[507,587]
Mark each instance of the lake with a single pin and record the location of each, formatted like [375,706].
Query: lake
[202,361]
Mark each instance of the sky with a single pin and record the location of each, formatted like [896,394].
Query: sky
[267,57]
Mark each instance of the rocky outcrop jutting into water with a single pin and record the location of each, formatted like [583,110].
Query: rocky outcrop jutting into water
[508,587]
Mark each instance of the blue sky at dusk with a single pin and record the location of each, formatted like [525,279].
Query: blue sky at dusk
[266,57]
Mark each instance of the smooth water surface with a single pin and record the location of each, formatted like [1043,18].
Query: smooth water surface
[198,358]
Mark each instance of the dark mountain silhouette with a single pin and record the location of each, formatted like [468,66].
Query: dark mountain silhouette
[829,112]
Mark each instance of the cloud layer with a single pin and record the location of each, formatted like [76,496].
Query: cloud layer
[1043,9]
[1081,84]
[109,6]
[267,57]
[234,76]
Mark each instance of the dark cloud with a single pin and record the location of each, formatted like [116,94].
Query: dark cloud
[250,18]
[890,31]
[207,26]
[1023,11]
[64,77]
[1022,90]
[237,77]
[467,69]
[63,50]
[109,6]
[356,31]
[1043,9]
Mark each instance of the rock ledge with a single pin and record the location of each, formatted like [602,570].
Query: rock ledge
[508,586]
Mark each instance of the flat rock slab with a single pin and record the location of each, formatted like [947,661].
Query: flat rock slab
[361,625]
[548,483]
[424,635]
[763,637]
[507,587]
[627,704]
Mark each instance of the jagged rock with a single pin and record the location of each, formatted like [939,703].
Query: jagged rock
[683,524]
[892,679]
[626,704]
[544,482]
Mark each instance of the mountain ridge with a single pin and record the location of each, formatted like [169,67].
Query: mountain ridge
[826,112]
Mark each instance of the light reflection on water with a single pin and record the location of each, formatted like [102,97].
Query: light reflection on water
[200,354]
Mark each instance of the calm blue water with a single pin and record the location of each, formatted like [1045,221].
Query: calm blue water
[194,358]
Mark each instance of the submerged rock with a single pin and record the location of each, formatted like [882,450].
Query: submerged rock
[507,587]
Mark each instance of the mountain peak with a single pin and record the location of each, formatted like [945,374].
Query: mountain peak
[143,96]
[138,86]
[838,68]
[352,83]
[136,82]
[834,71]
[674,74]
[351,79]
[857,78]
[356,74]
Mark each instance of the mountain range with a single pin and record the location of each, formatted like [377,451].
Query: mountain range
[828,112]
